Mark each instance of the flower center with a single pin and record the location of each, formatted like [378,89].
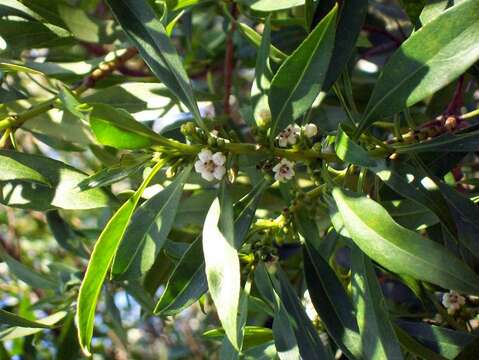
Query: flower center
[210,165]
[284,169]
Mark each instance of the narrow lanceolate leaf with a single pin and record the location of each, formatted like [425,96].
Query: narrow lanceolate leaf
[300,78]
[283,334]
[188,281]
[331,302]
[377,334]
[401,250]
[222,264]
[309,343]
[28,275]
[148,34]
[430,59]
[263,76]
[36,182]
[446,342]
[274,5]
[256,39]
[8,318]
[351,19]
[349,151]
[18,331]
[186,284]
[100,261]
[117,128]
[148,229]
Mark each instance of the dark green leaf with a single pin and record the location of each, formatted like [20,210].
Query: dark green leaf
[256,39]
[331,300]
[446,342]
[147,230]
[300,78]
[20,187]
[431,58]
[399,249]
[377,334]
[148,34]
[100,261]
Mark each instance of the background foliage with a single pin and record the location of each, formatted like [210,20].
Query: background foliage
[154,206]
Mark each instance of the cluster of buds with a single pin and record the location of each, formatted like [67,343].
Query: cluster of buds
[452,301]
[289,136]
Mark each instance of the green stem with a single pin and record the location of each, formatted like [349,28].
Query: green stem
[469,115]
[14,121]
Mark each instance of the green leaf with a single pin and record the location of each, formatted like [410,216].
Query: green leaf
[309,343]
[349,151]
[8,67]
[351,19]
[100,261]
[253,335]
[283,334]
[72,104]
[11,319]
[13,168]
[377,334]
[148,34]
[17,332]
[256,39]
[459,142]
[117,128]
[28,275]
[272,5]
[222,263]
[263,76]
[415,347]
[147,230]
[64,234]
[300,78]
[431,58]
[187,282]
[40,183]
[446,342]
[330,299]
[401,250]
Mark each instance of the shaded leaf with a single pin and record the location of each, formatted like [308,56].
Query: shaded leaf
[399,249]
[299,80]
[148,34]
[428,60]
[147,230]
[377,334]
[100,261]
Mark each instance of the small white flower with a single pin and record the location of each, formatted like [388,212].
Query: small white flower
[310,130]
[452,301]
[210,166]
[284,170]
[288,135]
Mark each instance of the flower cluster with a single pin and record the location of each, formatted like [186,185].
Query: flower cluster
[452,301]
[284,170]
[210,166]
[290,135]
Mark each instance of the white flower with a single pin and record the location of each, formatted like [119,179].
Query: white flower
[310,130]
[284,170]
[210,166]
[288,135]
[452,301]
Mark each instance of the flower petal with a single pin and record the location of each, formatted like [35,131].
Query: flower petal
[218,158]
[205,155]
[219,172]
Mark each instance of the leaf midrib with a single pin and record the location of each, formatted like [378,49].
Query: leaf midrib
[404,251]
